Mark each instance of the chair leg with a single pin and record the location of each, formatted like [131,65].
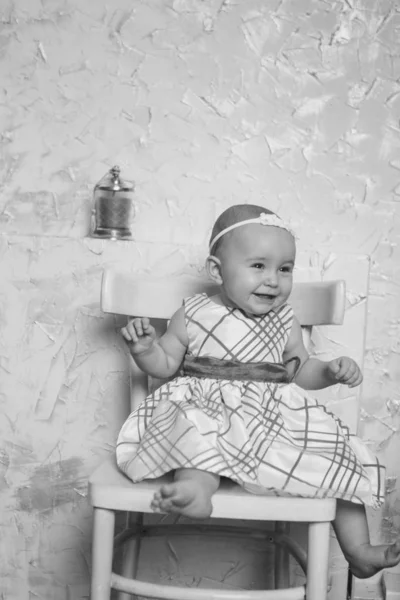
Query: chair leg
[131,551]
[281,565]
[102,553]
[318,561]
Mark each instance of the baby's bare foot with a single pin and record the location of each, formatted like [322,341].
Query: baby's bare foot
[369,560]
[184,497]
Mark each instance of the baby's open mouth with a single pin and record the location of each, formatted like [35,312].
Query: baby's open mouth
[265,296]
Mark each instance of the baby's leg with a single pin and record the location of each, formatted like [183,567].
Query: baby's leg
[351,528]
[189,495]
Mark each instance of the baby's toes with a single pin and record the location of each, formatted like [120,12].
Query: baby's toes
[166,505]
[157,497]
[392,554]
[396,549]
[167,491]
[155,506]
[155,503]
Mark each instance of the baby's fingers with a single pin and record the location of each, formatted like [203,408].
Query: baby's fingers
[346,371]
[136,328]
[349,372]
[129,333]
[337,369]
[355,379]
[147,328]
[137,324]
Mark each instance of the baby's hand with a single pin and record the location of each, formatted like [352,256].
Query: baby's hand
[345,370]
[139,335]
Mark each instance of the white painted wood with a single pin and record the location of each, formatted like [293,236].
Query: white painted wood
[167,592]
[131,552]
[109,488]
[102,553]
[317,562]
[314,303]
[391,585]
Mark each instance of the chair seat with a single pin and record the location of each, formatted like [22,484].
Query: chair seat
[111,489]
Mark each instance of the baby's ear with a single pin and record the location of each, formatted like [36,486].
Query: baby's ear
[213,268]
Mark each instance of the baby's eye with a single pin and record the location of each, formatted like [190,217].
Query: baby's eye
[257,266]
[286,269]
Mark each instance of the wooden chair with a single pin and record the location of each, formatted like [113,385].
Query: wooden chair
[317,303]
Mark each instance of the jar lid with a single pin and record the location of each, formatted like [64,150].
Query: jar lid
[112,182]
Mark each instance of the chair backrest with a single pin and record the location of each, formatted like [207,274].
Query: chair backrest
[124,293]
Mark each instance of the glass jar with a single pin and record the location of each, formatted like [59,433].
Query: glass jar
[113,209]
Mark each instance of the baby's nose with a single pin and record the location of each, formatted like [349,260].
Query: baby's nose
[271,277]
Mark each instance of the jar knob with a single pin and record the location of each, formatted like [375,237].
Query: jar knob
[115,171]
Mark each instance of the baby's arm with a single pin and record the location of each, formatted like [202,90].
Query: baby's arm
[161,357]
[315,374]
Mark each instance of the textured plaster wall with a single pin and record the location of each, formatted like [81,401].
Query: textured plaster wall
[294,104]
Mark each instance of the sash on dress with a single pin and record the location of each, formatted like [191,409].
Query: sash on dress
[206,367]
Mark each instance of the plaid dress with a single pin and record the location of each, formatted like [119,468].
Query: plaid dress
[267,437]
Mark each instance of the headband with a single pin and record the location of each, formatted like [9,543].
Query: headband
[271,220]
